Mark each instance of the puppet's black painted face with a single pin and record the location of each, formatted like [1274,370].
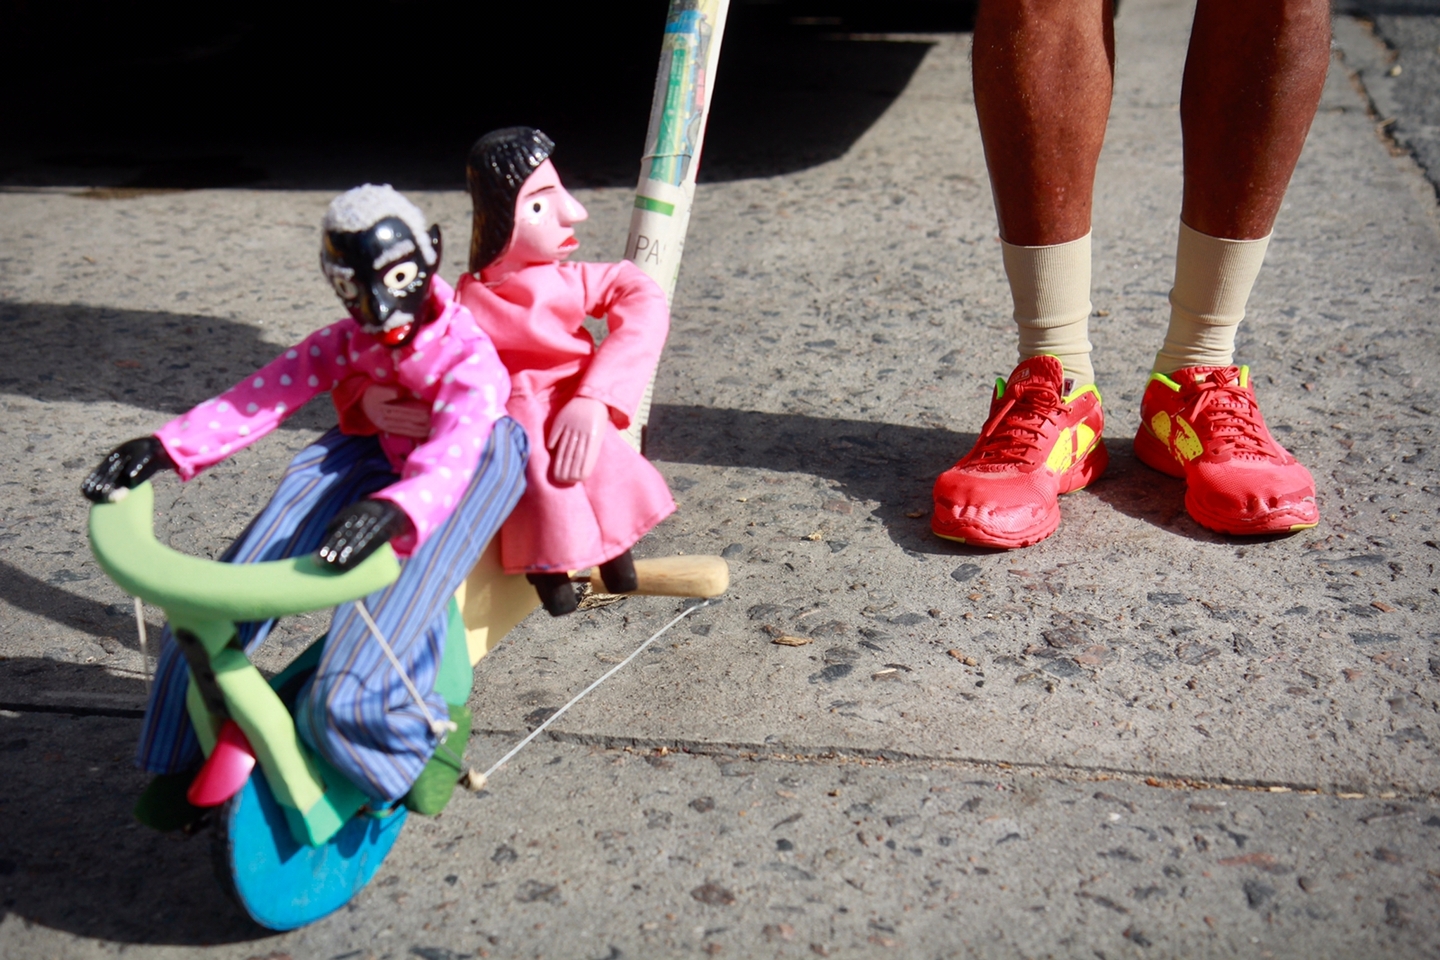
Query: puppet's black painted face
[382,277]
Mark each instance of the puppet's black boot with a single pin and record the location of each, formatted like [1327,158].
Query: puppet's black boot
[619,574]
[556,591]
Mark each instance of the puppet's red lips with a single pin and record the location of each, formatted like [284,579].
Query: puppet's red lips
[396,335]
[570,243]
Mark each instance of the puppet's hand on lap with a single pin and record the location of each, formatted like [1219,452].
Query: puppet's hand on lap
[402,418]
[574,439]
[359,530]
[128,466]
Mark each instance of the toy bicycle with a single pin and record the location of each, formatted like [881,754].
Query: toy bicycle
[294,839]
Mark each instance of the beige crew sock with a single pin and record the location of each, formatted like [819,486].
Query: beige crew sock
[1213,278]
[1051,289]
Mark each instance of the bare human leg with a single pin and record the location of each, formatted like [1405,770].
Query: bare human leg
[1253,76]
[1043,79]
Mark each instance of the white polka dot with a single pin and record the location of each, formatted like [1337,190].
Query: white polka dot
[399,494]
[426,496]
[224,448]
[437,406]
[325,332]
[446,472]
[455,450]
[340,359]
[449,408]
[354,355]
[243,430]
[280,408]
[474,358]
[429,379]
[291,354]
[204,449]
[466,420]
[184,424]
[251,407]
[334,384]
[490,393]
[449,378]
[314,381]
[449,501]
[314,351]
[381,372]
[285,380]
[258,382]
[222,406]
[214,424]
[417,355]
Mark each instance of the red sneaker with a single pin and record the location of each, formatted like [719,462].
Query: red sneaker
[1203,424]
[1036,445]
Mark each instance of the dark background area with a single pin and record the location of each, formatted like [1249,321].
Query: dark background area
[324,95]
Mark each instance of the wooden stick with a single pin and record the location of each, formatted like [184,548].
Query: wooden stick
[689,576]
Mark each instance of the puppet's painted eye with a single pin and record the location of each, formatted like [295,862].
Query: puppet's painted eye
[345,287]
[401,275]
[535,209]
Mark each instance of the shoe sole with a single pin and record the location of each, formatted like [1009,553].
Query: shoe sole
[1155,455]
[1084,473]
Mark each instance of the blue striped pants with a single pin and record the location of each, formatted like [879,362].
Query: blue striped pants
[355,711]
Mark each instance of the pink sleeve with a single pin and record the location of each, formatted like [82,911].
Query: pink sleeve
[634,308]
[472,396]
[256,405]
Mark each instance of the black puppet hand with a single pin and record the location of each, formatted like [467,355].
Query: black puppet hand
[127,466]
[359,530]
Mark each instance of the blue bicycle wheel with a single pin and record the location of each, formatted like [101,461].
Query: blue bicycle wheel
[282,884]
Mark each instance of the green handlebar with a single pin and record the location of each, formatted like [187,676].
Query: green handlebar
[189,588]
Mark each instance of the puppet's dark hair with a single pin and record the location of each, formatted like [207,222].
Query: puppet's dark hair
[499,164]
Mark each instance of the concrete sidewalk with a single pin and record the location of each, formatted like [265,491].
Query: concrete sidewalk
[1136,738]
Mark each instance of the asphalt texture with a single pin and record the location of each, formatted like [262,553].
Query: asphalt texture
[1137,738]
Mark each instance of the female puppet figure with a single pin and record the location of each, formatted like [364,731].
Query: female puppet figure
[589,496]
[437,499]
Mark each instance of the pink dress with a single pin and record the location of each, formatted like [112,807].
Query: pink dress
[450,364]
[535,318]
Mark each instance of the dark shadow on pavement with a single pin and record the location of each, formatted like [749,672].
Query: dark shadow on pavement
[111,621]
[1135,490]
[891,464]
[154,360]
[72,858]
[323,97]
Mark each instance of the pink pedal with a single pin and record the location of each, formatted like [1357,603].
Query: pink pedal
[225,770]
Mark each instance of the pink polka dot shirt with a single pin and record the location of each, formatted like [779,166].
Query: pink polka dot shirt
[451,365]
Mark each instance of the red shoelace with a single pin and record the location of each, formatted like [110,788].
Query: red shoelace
[1226,414]
[1017,427]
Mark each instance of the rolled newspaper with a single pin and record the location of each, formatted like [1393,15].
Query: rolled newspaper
[684,82]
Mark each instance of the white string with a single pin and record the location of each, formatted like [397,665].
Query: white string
[606,676]
[144,645]
[437,727]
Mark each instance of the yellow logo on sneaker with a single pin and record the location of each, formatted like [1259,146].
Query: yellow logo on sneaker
[1070,447]
[1186,443]
[1160,424]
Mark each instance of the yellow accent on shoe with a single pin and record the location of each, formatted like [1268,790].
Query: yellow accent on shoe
[1160,426]
[1187,444]
[1063,453]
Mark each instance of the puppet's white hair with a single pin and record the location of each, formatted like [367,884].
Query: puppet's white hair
[362,207]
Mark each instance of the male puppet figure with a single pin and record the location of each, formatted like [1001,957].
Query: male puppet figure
[437,499]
